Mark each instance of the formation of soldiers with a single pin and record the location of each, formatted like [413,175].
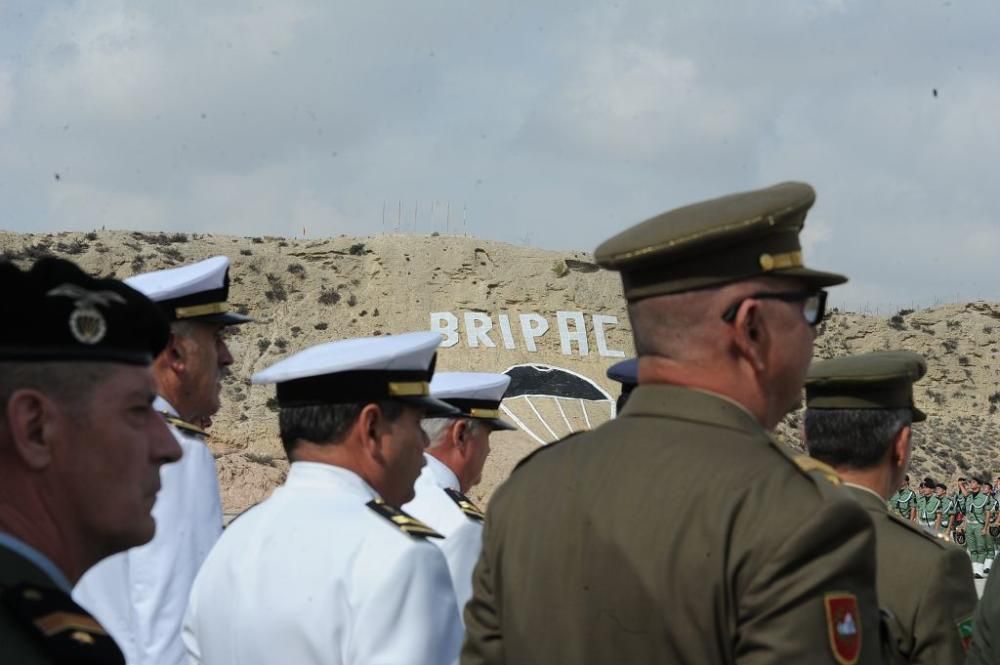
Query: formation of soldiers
[597,549]
[968,515]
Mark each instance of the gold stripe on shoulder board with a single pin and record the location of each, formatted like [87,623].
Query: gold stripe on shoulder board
[465,504]
[810,465]
[405,523]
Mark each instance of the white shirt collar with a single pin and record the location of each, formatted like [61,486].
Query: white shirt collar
[163,406]
[43,562]
[442,476]
[318,474]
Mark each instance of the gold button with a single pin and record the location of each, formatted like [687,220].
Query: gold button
[767,262]
[82,637]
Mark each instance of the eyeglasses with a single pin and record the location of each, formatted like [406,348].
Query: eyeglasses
[813,308]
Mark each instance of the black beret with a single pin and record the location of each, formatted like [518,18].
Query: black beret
[57,312]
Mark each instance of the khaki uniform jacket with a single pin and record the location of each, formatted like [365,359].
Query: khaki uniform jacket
[924,582]
[985,649]
[41,625]
[678,533]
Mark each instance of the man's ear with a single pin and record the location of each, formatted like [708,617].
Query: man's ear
[750,334]
[900,448]
[175,352]
[371,426]
[30,417]
[460,435]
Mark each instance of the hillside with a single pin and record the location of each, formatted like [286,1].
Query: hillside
[501,306]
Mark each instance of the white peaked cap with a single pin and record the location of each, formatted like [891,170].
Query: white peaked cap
[359,370]
[475,394]
[197,291]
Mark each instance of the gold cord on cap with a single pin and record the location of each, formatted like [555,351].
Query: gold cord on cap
[201,310]
[769,262]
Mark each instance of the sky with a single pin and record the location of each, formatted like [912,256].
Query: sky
[553,124]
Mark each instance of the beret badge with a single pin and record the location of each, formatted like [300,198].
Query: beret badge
[86,322]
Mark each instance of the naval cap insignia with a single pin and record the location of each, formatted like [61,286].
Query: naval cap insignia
[86,322]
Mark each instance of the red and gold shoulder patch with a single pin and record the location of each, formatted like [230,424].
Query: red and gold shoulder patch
[843,624]
[965,633]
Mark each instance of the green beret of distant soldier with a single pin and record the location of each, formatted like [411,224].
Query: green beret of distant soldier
[877,380]
[716,242]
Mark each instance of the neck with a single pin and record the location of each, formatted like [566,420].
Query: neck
[48,538]
[448,455]
[878,479]
[656,369]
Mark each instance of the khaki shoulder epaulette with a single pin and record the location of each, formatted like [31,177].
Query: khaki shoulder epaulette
[812,465]
[65,630]
[406,523]
[470,509]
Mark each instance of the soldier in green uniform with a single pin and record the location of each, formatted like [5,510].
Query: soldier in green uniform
[977,514]
[581,562]
[992,530]
[946,516]
[80,450]
[859,410]
[928,506]
[904,502]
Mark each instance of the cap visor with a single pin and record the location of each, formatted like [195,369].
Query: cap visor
[918,415]
[499,424]
[226,319]
[814,278]
[433,408]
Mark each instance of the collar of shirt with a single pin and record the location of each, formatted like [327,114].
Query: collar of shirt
[664,400]
[163,406]
[442,476]
[41,561]
[317,474]
[868,490]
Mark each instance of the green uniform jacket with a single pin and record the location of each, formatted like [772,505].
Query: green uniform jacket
[903,501]
[678,533]
[41,625]
[925,582]
[985,648]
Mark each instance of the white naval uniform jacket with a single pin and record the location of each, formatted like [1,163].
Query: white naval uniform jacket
[313,575]
[140,595]
[463,535]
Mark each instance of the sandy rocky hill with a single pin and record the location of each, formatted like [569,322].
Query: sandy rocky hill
[303,292]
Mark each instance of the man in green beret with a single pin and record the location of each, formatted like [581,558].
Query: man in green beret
[977,516]
[859,411]
[582,561]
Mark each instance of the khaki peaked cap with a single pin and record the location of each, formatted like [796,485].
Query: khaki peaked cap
[716,242]
[877,380]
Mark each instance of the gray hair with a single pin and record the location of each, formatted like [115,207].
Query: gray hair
[325,423]
[853,438]
[69,383]
[435,428]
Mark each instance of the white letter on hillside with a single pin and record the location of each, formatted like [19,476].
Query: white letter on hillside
[505,333]
[445,323]
[601,320]
[566,338]
[530,331]
[477,325]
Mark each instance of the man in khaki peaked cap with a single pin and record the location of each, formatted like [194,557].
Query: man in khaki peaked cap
[858,415]
[582,559]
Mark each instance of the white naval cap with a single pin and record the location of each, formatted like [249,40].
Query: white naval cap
[475,394]
[195,292]
[365,369]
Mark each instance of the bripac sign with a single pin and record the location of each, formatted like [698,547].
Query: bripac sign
[481,330]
